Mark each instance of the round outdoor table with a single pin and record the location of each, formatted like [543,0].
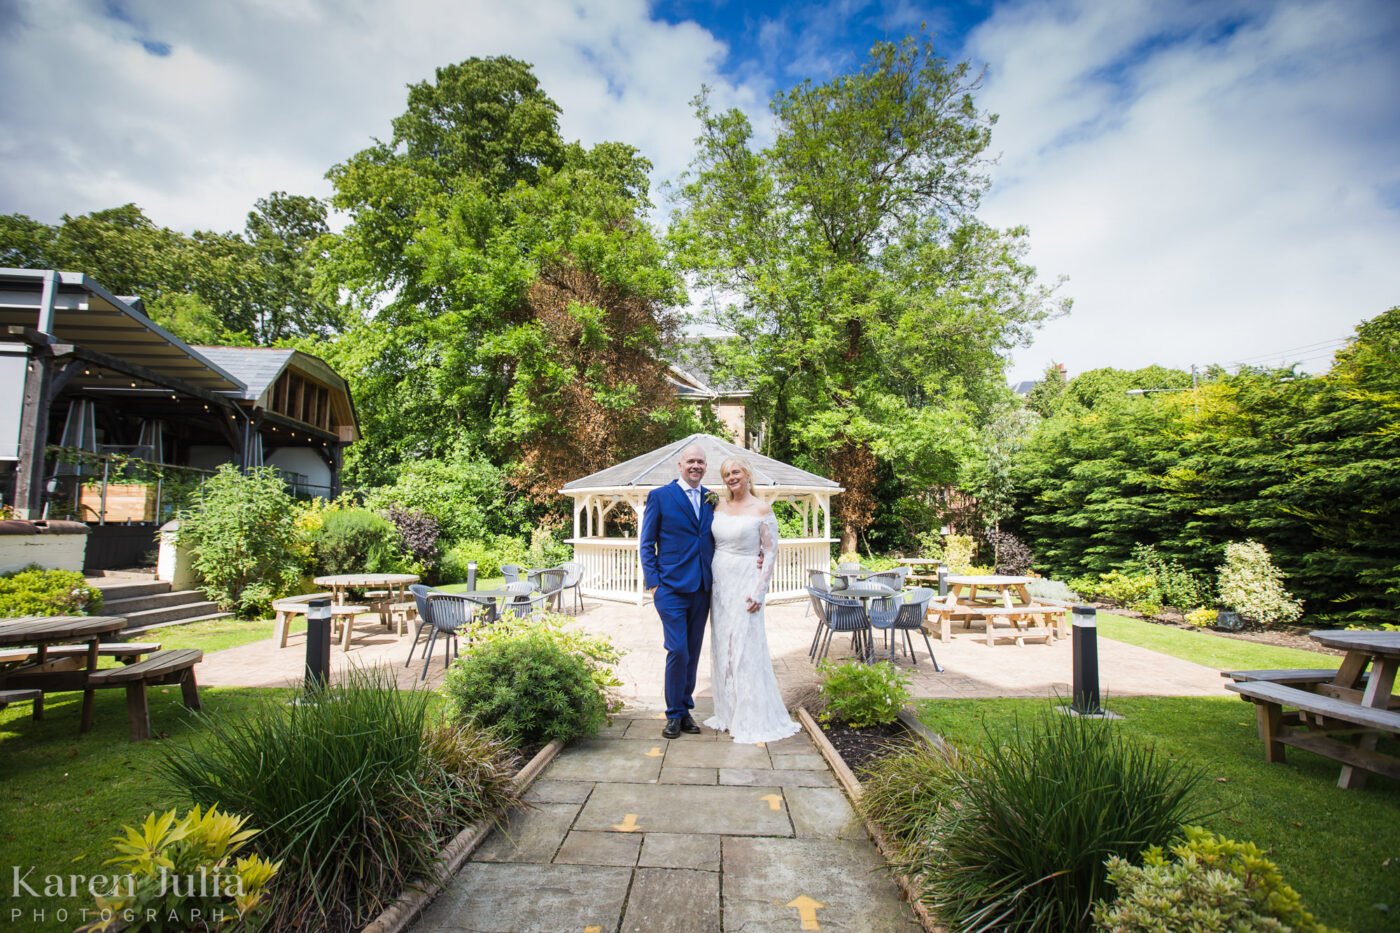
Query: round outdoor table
[396,583]
[52,677]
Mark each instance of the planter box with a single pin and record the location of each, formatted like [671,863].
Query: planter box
[133,502]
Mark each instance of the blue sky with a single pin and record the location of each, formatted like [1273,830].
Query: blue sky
[1216,180]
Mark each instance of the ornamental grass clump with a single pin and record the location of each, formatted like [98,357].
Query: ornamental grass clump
[357,787]
[903,794]
[1034,817]
[527,688]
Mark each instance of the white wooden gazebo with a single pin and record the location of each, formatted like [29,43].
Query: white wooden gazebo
[608,549]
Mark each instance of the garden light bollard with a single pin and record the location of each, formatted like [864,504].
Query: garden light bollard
[942,579]
[318,643]
[471,576]
[1086,661]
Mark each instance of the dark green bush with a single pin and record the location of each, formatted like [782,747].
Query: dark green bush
[1038,814]
[35,591]
[861,695]
[358,541]
[528,689]
[357,788]
[243,535]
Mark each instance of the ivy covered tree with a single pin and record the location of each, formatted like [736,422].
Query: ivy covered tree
[511,294]
[870,304]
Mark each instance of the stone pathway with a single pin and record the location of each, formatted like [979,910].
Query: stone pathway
[630,833]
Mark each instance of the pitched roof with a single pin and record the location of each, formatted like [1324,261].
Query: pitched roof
[658,468]
[255,367]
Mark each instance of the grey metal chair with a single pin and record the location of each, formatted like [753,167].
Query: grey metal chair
[910,618]
[447,613]
[520,599]
[840,614]
[550,583]
[511,572]
[573,580]
[420,597]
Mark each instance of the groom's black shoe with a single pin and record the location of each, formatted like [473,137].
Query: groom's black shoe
[688,725]
[672,730]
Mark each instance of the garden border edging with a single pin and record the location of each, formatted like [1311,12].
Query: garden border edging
[852,786]
[397,916]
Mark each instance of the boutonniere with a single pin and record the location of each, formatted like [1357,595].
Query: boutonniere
[712,497]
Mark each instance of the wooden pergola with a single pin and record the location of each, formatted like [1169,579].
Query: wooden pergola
[609,506]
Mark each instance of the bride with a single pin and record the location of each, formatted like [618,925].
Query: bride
[747,703]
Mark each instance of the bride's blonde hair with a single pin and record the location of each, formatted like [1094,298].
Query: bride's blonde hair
[742,464]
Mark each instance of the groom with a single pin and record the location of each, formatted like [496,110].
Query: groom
[676,553]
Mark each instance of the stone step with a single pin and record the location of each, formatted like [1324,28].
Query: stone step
[185,611]
[175,623]
[125,606]
[127,589]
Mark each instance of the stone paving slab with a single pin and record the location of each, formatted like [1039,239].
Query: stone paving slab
[550,791]
[673,900]
[583,848]
[716,755]
[689,775]
[755,777]
[686,808]
[676,850]
[531,835]
[823,813]
[498,898]
[764,877]
[610,760]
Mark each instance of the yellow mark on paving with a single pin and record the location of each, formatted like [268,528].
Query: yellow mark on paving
[628,824]
[593,929]
[775,801]
[807,911]
[762,744]
[655,752]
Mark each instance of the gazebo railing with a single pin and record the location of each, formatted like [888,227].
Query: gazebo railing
[613,567]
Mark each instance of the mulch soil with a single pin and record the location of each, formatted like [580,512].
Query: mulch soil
[1287,636]
[861,748]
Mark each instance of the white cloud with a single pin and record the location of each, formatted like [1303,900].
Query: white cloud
[256,96]
[1219,181]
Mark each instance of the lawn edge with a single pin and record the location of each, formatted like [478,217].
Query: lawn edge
[397,916]
[853,789]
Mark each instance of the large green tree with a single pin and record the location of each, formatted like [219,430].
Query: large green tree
[871,305]
[511,295]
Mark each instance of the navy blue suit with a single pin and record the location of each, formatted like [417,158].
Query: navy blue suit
[676,552]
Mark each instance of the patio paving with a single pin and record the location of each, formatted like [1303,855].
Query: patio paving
[972,669]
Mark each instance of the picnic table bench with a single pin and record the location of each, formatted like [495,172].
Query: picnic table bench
[161,668]
[1041,621]
[1317,716]
[127,652]
[19,696]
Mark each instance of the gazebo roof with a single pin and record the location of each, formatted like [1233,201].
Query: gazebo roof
[658,468]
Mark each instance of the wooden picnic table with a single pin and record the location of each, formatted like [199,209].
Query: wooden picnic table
[69,672]
[921,569]
[993,597]
[968,585]
[1352,700]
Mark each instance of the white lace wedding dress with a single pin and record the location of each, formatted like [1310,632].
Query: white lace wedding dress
[747,703]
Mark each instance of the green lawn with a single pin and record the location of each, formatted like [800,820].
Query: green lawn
[1340,849]
[217,634]
[65,794]
[1211,650]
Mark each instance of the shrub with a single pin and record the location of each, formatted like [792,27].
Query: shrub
[930,545]
[465,492]
[357,541]
[357,787]
[1176,586]
[597,652]
[1251,585]
[1045,588]
[489,556]
[184,871]
[243,533]
[528,689]
[1212,883]
[871,562]
[546,550]
[1201,618]
[1039,813]
[958,552]
[1136,591]
[861,695]
[35,591]
[418,536]
[1012,555]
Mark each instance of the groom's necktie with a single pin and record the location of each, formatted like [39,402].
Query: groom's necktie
[694,500]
